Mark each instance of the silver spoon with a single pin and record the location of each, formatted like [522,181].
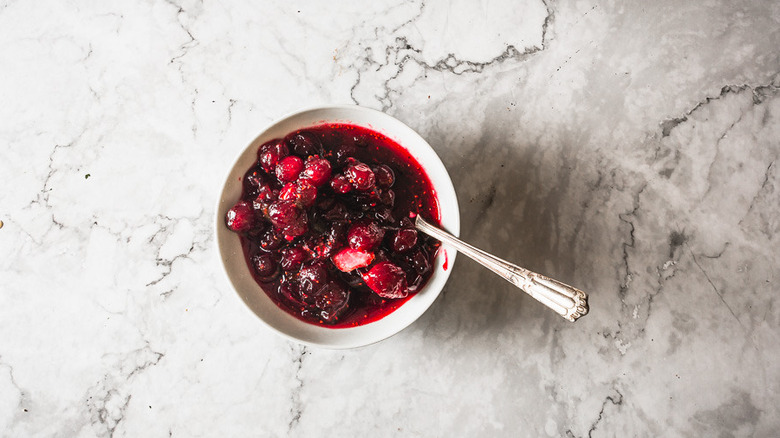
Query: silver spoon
[569,302]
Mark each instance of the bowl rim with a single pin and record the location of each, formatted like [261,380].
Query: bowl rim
[453,225]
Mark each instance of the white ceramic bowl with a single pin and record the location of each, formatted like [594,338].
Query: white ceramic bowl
[250,292]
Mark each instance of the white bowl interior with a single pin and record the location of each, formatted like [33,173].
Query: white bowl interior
[250,292]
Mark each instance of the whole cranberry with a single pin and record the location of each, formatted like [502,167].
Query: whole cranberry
[305,192]
[385,177]
[404,239]
[288,192]
[301,192]
[340,184]
[270,153]
[240,217]
[264,265]
[420,262]
[365,235]
[317,170]
[288,218]
[332,300]
[253,179]
[337,234]
[290,290]
[387,280]
[387,197]
[384,214]
[292,258]
[342,153]
[265,194]
[289,168]
[360,176]
[304,144]
[312,277]
[271,241]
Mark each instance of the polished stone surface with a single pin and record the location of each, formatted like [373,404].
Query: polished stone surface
[629,149]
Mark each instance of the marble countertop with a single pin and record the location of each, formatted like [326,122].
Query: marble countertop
[628,149]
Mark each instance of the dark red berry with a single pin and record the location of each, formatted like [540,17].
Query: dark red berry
[306,193]
[265,194]
[301,192]
[271,241]
[360,176]
[304,144]
[332,300]
[292,257]
[342,153]
[317,170]
[337,213]
[387,197]
[253,179]
[404,239]
[289,168]
[340,184]
[241,217]
[264,265]
[312,277]
[290,290]
[288,218]
[365,235]
[384,215]
[385,177]
[288,192]
[420,263]
[387,280]
[271,153]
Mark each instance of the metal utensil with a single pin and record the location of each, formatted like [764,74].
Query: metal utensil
[567,301]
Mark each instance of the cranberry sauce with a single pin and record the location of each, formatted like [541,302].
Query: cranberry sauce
[325,223]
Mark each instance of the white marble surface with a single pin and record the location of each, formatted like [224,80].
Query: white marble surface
[629,149]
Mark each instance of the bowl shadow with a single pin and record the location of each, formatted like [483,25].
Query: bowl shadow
[523,200]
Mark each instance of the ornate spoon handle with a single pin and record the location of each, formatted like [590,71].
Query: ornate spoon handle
[569,302]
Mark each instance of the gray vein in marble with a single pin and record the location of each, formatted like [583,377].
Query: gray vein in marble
[160,237]
[109,398]
[759,94]
[614,400]
[187,45]
[178,59]
[401,52]
[760,190]
[296,407]
[715,289]
[22,405]
[625,281]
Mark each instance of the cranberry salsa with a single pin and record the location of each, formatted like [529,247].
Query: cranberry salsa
[325,221]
